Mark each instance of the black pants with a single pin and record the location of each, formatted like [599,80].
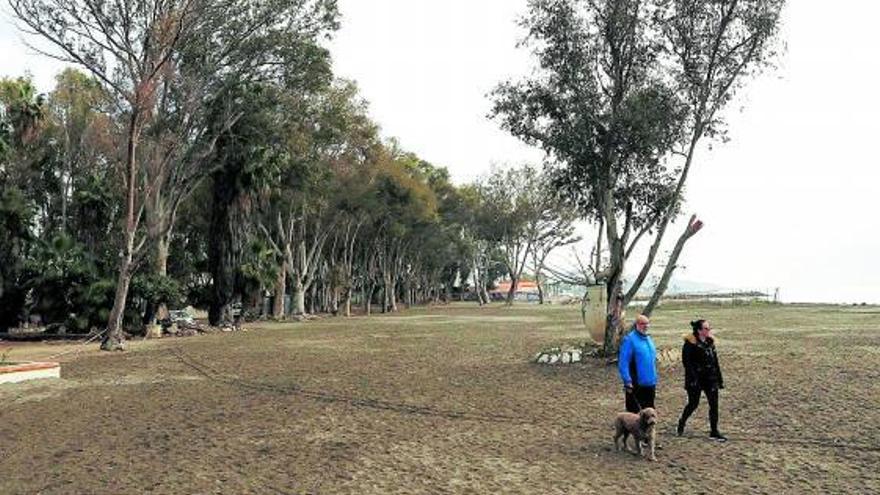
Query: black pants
[644,396]
[694,402]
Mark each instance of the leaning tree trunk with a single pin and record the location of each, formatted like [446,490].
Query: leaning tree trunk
[692,228]
[114,339]
[485,292]
[511,293]
[478,283]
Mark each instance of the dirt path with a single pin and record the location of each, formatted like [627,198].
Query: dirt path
[445,401]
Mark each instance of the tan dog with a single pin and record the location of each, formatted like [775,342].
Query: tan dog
[640,426]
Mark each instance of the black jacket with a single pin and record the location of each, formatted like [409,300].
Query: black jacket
[701,368]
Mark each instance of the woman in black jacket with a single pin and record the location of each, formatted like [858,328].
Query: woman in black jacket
[702,375]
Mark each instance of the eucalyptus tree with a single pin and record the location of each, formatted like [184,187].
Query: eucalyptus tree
[405,204]
[79,109]
[127,47]
[623,93]
[325,139]
[248,162]
[714,48]
[473,219]
[150,54]
[513,201]
[553,227]
[355,207]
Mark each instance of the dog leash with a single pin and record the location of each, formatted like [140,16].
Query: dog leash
[632,392]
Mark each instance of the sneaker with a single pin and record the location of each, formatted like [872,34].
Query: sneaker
[717,436]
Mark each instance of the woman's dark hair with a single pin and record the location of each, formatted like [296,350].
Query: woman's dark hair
[697,325]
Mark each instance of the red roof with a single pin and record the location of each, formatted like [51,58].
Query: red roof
[523,285]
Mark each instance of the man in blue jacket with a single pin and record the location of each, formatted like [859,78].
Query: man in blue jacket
[637,363]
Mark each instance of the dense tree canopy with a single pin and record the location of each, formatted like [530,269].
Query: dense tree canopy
[299,206]
[203,153]
[623,92]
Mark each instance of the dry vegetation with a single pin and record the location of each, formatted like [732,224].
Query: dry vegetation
[444,400]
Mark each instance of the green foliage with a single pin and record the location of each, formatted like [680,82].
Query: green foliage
[65,285]
[259,267]
[156,288]
[623,84]
[97,301]
[24,109]
[16,221]
[602,140]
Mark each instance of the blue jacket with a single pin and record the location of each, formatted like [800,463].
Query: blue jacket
[637,361]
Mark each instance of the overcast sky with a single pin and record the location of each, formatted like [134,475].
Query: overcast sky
[789,202]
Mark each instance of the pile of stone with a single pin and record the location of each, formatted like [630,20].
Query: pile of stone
[189,329]
[566,355]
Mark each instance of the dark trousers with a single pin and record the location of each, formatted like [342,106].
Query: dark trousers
[694,402]
[640,396]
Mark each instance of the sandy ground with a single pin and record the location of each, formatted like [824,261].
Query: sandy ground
[444,400]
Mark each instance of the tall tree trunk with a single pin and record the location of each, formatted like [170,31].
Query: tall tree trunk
[346,301]
[114,339]
[408,294]
[158,311]
[511,293]
[387,292]
[368,299]
[334,301]
[479,285]
[614,280]
[280,288]
[612,319]
[393,293]
[222,252]
[318,299]
[298,297]
[485,292]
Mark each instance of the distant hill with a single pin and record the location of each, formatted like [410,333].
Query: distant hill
[690,286]
[683,286]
